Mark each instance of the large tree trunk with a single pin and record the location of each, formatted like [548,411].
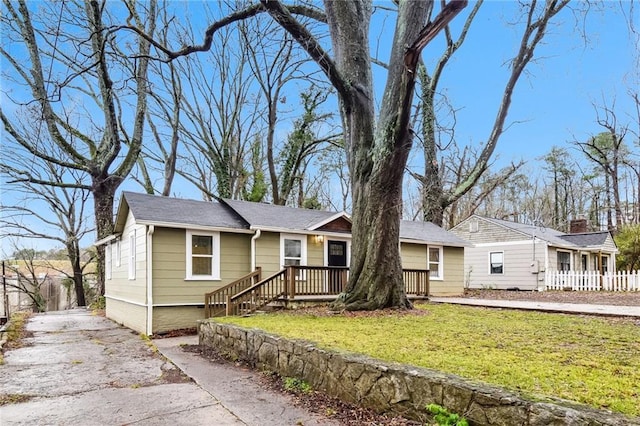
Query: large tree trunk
[375,279]
[73,251]
[378,154]
[104,189]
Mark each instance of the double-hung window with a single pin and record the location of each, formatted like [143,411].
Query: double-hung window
[293,250]
[132,255]
[203,255]
[118,253]
[496,262]
[434,263]
[605,263]
[564,261]
[107,261]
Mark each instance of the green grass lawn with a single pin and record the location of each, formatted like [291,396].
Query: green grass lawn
[591,360]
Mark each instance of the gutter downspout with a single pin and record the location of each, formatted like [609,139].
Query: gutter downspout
[253,249]
[150,230]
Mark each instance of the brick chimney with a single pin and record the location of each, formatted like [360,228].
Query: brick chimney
[578,226]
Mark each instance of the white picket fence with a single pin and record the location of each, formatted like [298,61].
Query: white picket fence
[592,280]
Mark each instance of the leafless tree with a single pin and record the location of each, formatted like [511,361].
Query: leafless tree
[157,162]
[219,116]
[28,278]
[75,81]
[52,211]
[606,151]
[377,147]
[438,195]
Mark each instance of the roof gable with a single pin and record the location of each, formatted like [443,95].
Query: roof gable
[339,224]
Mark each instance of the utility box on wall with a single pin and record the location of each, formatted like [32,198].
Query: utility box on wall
[535,266]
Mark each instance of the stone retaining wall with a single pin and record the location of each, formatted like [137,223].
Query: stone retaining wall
[393,387]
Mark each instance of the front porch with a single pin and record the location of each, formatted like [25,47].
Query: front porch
[295,284]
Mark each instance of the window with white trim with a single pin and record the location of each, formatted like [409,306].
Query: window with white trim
[108,249]
[203,255]
[293,249]
[434,262]
[564,260]
[605,263]
[132,255]
[496,263]
[118,254]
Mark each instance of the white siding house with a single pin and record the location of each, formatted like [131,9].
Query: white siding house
[509,255]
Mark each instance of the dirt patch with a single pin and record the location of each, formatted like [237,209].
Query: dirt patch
[174,375]
[177,333]
[588,297]
[6,399]
[313,401]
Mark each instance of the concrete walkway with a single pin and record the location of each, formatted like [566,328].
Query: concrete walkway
[570,308]
[82,369]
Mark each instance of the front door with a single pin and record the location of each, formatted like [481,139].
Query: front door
[337,256]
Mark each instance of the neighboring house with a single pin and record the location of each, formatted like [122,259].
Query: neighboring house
[508,255]
[48,278]
[166,253]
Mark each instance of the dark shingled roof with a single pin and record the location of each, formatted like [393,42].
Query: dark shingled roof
[236,214]
[428,232]
[587,239]
[153,208]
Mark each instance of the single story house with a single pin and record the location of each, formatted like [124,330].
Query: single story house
[166,253]
[507,254]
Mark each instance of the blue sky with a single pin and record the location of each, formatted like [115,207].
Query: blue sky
[553,102]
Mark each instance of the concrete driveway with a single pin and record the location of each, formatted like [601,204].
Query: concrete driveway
[81,369]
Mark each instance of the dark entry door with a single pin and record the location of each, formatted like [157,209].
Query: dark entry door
[337,256]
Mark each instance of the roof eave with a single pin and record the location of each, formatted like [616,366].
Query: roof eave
[439,243]
[179,225]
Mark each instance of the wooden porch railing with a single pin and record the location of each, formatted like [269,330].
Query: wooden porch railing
[316,280]
[416,282]
[250,293]
[215,302]
[258,295]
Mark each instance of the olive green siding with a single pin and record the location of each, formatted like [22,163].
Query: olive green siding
[127,314]
[268,253]
[178,301]
[453,273]
[120,286]
[176,318]
[235,256]
[414,256]
[170,285]
[315,251]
